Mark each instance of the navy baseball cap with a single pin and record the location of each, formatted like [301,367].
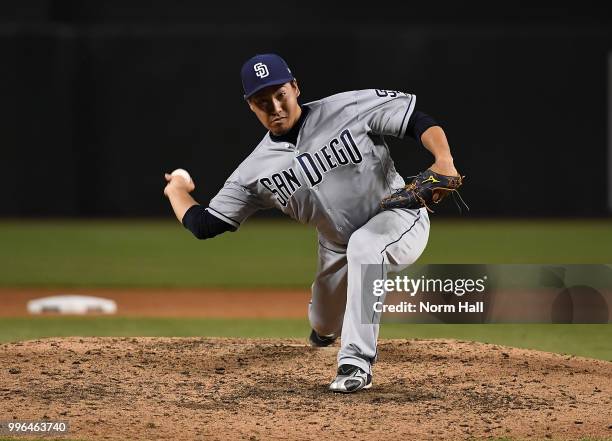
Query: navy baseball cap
[262,71]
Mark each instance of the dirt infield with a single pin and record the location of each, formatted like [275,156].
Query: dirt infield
[211,388]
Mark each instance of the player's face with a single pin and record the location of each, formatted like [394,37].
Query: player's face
[276,107]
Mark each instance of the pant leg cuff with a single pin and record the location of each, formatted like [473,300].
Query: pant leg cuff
[356,361]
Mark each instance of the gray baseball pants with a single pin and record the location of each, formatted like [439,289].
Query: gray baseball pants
[391,239]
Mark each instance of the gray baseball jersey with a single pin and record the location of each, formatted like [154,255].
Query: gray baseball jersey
[335,175]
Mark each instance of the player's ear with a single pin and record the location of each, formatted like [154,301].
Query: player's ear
[250,105]
[295,86]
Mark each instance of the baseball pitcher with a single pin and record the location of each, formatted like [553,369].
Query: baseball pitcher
[326,163]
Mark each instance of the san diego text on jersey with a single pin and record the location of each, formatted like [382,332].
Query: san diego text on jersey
[340,151]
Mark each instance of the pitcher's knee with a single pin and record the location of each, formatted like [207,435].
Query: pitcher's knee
[363,247]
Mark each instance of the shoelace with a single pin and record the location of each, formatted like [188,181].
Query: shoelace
[456,195]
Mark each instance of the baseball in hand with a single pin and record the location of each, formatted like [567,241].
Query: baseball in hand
[183,173]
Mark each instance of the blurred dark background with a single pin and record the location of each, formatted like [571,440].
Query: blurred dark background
[101,98]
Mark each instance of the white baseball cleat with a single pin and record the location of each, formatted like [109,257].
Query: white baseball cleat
[350,379]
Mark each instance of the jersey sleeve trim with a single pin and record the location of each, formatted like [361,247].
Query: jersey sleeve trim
[223,217]
[409,111]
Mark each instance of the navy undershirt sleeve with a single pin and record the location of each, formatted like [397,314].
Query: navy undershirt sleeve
[204,225]
[418,123]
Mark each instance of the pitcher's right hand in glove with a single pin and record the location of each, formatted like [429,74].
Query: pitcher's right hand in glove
[426,188]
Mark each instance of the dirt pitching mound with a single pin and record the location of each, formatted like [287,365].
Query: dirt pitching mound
[211,388]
